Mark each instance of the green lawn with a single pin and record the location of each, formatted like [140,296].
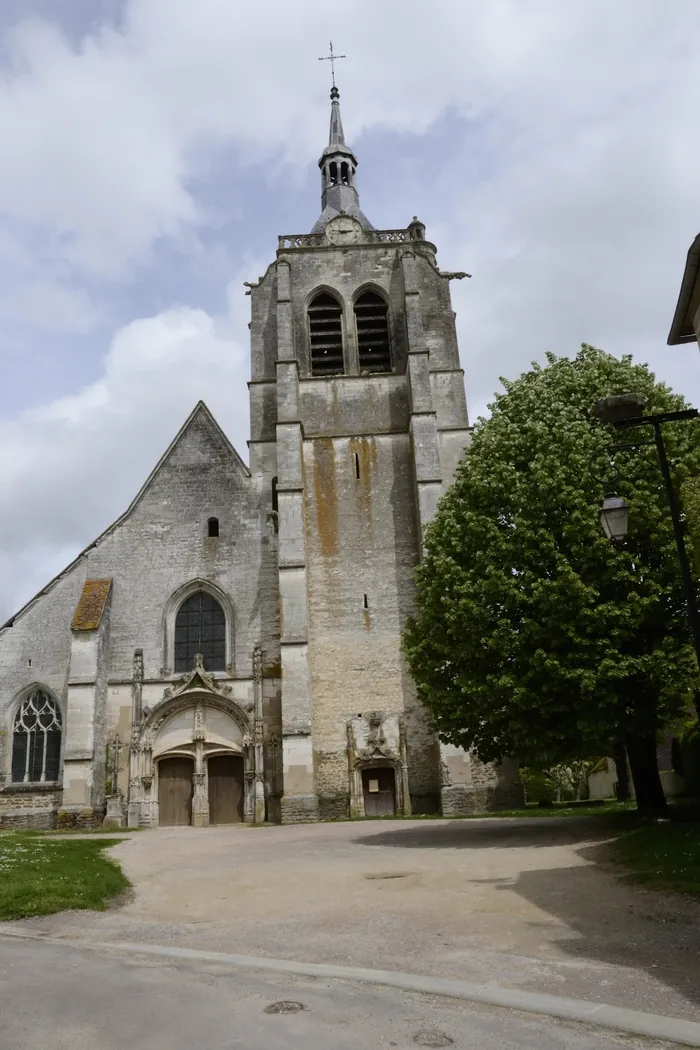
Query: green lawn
[662,856]
[600,808]
[39,876]
[603,808]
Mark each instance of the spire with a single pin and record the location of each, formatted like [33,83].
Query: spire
[336,136]
[338,165]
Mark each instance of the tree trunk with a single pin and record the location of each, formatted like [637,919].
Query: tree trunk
[651,801]
[623,780]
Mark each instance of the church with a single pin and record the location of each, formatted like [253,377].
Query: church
[229,650]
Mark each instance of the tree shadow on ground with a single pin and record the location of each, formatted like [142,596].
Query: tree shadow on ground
[498,833]
[610,920]
[616,922]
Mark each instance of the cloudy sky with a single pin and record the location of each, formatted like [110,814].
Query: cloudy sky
[154,149]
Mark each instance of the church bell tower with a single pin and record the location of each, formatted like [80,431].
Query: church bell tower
[358,419]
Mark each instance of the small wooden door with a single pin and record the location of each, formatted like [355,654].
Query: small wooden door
[175,790]
[225,789]
[379,790]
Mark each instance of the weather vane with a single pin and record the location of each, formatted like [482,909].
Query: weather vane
[331,58]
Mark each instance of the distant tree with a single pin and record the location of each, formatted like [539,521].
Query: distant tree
[691,501]
[535,636]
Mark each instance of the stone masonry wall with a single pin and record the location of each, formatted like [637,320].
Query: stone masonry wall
[361,555]
[29,809]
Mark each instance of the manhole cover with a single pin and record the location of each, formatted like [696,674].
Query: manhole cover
[431,1037]
[389,875]
[288,1006]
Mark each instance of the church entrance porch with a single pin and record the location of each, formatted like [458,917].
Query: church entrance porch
[196,757]
[379,791]
[226,789]
[175,790]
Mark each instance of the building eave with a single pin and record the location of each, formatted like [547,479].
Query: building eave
[682,330]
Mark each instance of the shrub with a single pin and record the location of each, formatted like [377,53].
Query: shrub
[690,757]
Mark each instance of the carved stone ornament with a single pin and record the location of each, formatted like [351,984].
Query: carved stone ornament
[147,781]
[375,737]
[138,665]
[257,663]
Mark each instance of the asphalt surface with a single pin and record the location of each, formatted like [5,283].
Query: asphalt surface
[62,997]
[530,905]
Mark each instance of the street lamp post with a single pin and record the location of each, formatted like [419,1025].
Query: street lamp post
[625,411]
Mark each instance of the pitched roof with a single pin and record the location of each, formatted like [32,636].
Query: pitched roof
[89,610]
[682,330]
[200,411]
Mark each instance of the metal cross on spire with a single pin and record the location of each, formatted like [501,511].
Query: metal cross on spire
[332,58]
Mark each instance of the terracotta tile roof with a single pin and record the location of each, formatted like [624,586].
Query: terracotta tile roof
[91,605]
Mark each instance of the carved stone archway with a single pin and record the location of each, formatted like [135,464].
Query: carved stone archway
[377,754]
[197,692]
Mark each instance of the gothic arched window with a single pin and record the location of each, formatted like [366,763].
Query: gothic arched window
[326,335]
[36,739]
[372,324]
[200,627]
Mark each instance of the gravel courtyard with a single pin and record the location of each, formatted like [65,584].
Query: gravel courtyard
[523,903]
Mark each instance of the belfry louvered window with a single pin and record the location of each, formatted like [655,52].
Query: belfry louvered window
[36,740]
[326,335]
[200,627]
[372,323]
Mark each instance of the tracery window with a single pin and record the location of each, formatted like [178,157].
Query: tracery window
[326,335]
[372,324]
[36,740]
[200,627]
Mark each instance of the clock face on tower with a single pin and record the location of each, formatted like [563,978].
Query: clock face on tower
[343,229]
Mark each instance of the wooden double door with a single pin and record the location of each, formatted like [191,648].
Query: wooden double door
[226,789]
[379,791]
[176,789]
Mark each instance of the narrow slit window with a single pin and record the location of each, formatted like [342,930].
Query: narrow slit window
[326,336]
[372,325]
[213,527]
[275,503]
[357,465]
[365,601]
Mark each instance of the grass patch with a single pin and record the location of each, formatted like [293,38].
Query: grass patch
[596,808]
[83,831]
[662,856]
[39,876]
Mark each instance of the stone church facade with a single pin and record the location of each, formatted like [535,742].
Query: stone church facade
[229,649]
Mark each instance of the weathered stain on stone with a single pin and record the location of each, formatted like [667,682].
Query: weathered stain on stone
[365,448]
[325,495]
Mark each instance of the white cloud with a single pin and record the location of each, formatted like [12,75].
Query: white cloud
[568,188]
[71,467]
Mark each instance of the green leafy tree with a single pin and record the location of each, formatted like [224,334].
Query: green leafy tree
[535,636]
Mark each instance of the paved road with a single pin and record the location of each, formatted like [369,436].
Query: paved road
[67,998]
[528,904]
